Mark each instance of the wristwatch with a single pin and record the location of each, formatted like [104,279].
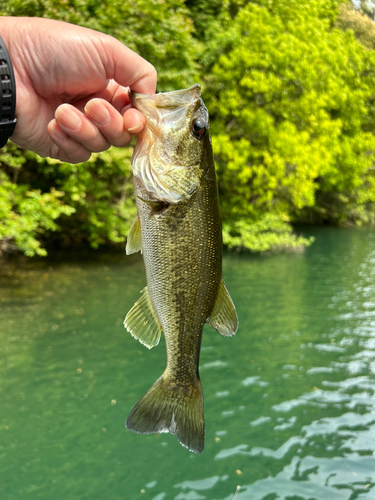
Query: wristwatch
[7,96]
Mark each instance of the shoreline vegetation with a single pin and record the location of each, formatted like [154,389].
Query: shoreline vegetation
[290,87]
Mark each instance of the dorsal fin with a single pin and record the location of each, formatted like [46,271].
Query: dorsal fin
[223,316]
[142,323]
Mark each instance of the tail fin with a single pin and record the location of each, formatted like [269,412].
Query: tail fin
[167,408]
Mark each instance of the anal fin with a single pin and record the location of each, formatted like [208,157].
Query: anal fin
[223,316]
[142,323]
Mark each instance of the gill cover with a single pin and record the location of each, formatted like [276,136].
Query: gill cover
[167,157]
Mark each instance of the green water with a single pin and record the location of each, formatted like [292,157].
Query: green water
[289,401]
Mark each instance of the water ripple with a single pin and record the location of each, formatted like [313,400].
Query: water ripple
[318,479]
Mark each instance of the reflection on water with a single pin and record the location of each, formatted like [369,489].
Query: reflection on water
[289,401]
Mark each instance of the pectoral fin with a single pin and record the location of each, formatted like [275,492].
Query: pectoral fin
[223,316]
[142,323]
[134,243]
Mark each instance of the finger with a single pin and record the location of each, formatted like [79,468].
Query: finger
[134,121]
[120,98]
[65,148]
[108,121]
[114,93]
[77,126]
[128,68]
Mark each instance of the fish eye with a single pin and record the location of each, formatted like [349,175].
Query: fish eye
[198,128]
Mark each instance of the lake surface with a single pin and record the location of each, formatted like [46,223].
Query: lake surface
[289,401]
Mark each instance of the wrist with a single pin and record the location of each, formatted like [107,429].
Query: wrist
[7,95]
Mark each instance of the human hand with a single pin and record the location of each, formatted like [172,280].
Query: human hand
[72,88]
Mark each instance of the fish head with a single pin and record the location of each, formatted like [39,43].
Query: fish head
[168,157]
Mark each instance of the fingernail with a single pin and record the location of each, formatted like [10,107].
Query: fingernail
[137,128]
[98,114]
[68,118]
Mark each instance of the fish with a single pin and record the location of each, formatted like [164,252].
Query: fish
[178,230]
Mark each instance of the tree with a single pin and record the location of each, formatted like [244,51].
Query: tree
[292,102]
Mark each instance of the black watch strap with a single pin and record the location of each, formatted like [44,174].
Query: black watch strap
[7,96]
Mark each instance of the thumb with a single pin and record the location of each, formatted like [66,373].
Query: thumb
[128,68]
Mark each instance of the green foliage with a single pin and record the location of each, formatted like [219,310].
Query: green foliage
[291,98]
[25,214]
[101,193]
[98,192]
[269,232]
[291,103]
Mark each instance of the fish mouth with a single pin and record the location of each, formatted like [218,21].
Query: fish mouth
[166,99]
[154,107]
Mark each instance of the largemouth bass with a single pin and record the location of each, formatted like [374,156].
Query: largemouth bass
[178,230]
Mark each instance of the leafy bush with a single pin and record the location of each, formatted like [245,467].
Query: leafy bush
[25,213]
[292,105]
[35,192]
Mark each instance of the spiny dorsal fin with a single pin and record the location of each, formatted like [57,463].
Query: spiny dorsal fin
[141,321]
[223,316]
[134,243]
